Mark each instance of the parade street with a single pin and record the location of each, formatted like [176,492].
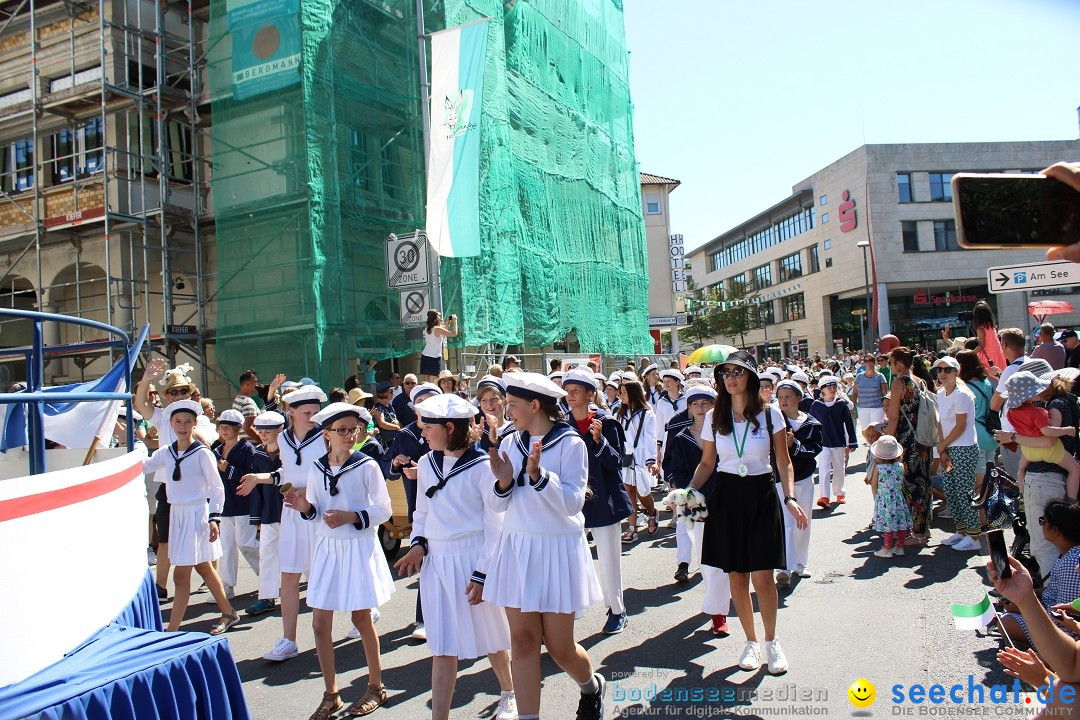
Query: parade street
[858,616]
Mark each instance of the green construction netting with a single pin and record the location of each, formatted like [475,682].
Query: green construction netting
[318,155]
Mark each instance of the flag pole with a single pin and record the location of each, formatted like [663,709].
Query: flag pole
[425,115]
[1001,626]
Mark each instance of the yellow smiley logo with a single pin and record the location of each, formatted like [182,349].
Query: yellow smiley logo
[862,693]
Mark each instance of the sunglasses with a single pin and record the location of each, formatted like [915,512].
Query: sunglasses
[177,393]
[736,373]
[345,432]
[946,370]
[410,382]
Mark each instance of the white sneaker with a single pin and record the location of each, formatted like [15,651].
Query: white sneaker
[967,545]
[751,656]
[898,551]
[507,708]
[778,663]
[284,650]
[883,552]
[354,633]
[953,539]
[151,557]
[803,572]
[419,633]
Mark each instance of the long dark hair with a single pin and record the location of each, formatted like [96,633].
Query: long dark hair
[433,319]
[970,367]
[635,399]
[982,315]
[723,419]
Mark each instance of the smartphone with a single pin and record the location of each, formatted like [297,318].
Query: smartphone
[993,542]
[1014,211]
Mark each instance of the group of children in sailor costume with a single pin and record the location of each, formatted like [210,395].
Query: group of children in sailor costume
[265,507]
[234,455]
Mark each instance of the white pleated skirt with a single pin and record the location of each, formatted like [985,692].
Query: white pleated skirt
[639,478]
[348,574]
[542,573]
[189,535]
[295,541]
[454,627]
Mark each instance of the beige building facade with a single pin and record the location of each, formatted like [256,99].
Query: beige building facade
[879,222]
[667,264]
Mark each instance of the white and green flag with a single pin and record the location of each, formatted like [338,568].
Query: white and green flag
[453,181]
[973,617]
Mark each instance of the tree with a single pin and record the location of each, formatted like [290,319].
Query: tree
[738,314]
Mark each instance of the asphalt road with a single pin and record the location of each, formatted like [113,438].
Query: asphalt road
[858,616]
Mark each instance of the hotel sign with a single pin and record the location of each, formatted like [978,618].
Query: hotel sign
[678,263]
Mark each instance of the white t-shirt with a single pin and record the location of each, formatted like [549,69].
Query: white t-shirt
[1005,374]
[755,454]
[433,344]
[958,403]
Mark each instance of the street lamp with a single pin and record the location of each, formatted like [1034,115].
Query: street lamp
[864,244]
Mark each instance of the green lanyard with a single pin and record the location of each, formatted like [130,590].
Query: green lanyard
[739,448]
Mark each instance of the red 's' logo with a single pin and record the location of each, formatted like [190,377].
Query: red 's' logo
[848,221]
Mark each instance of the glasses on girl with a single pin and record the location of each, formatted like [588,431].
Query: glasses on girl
[735,373]
[345,432]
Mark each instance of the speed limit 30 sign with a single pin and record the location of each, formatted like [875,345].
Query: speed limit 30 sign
[406,260]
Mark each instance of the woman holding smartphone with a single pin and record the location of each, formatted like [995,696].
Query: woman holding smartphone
[431,358]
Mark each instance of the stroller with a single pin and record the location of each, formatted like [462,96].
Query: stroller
[999,499]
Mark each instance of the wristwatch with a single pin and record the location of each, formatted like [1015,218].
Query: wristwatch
[789,497]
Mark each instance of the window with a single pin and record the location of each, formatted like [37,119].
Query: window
[761,277]
[652,204]
[790,267]
[828,262]
[815,260]
[903,187]
[824,218]
[828,244]
[391,171]
[763,239]
[824,200]
[794,307]
[179,151]
[940,187]
[766,314]
[17,171]
[945,235]
[358,160]
[910,230]
[78,153]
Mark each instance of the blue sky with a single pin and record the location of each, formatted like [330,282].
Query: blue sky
[741,100]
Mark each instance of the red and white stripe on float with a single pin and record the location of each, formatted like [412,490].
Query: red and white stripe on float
[74,556]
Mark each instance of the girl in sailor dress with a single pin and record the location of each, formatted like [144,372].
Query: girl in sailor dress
[266,506]
[345,501]
[541,570]
[639,460]
[491,400]
[454,532]
[193,480]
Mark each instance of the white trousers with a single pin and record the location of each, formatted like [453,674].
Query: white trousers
[796,541]
[608,542]
[870,416]
[831,468]
[269,568]
[237,533]
[717,600]
[688,543]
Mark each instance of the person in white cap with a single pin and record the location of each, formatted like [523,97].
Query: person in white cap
[743,441]
[454,532]
[670,404]
[234,456]
[650,379]
[611,392]
[196,497]
[639,469]
[301,445]
[693,372]
[838,440]
[491,399]
[803,380]
[892,516]
[958,449]
[804,446]
[265,508]
[345,500]
[768,387]
[541,475]
[607,503]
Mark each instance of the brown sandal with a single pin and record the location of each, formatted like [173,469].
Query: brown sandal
[372,700]
[331,703]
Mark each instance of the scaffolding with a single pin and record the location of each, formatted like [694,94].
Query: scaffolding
[104,207]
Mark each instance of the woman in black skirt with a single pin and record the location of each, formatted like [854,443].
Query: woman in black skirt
[744,440]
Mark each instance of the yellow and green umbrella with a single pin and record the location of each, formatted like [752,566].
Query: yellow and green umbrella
[710,354]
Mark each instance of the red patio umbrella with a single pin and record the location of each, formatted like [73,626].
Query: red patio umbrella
[1039,309]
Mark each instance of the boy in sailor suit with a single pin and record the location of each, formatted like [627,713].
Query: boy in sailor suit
[265,508]
[454,532]
[301,445]
[192,480]
[234,456]
[541,569]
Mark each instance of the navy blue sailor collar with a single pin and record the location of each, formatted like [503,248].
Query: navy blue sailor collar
[179,457]
[330,478]
[472,456]
[290,440]
[558,432]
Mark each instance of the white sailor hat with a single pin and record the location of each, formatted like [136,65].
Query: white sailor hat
[424,389]
[615,377]
[767,377]
[306,395]
[649,369]
[269,420]
[672,373]
[491,381]
[335,411]
[231,417]
[445,408]
[829,380]
[557,374]
[697,392]
[628,376]
[694,370]
[184,406]
[580,376]
[800,376]
[134,413]
[790,385]
[600,378]
[532,386]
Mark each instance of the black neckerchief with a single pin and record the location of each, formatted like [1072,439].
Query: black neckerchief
[290,440]
[524,445]
[178,457]
[470,457]
[330,479]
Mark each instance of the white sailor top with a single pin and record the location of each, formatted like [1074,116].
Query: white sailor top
[189,477]
[454,501]
[298,456]
[356,486]
[665,409]
[640,432]
[552,505]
